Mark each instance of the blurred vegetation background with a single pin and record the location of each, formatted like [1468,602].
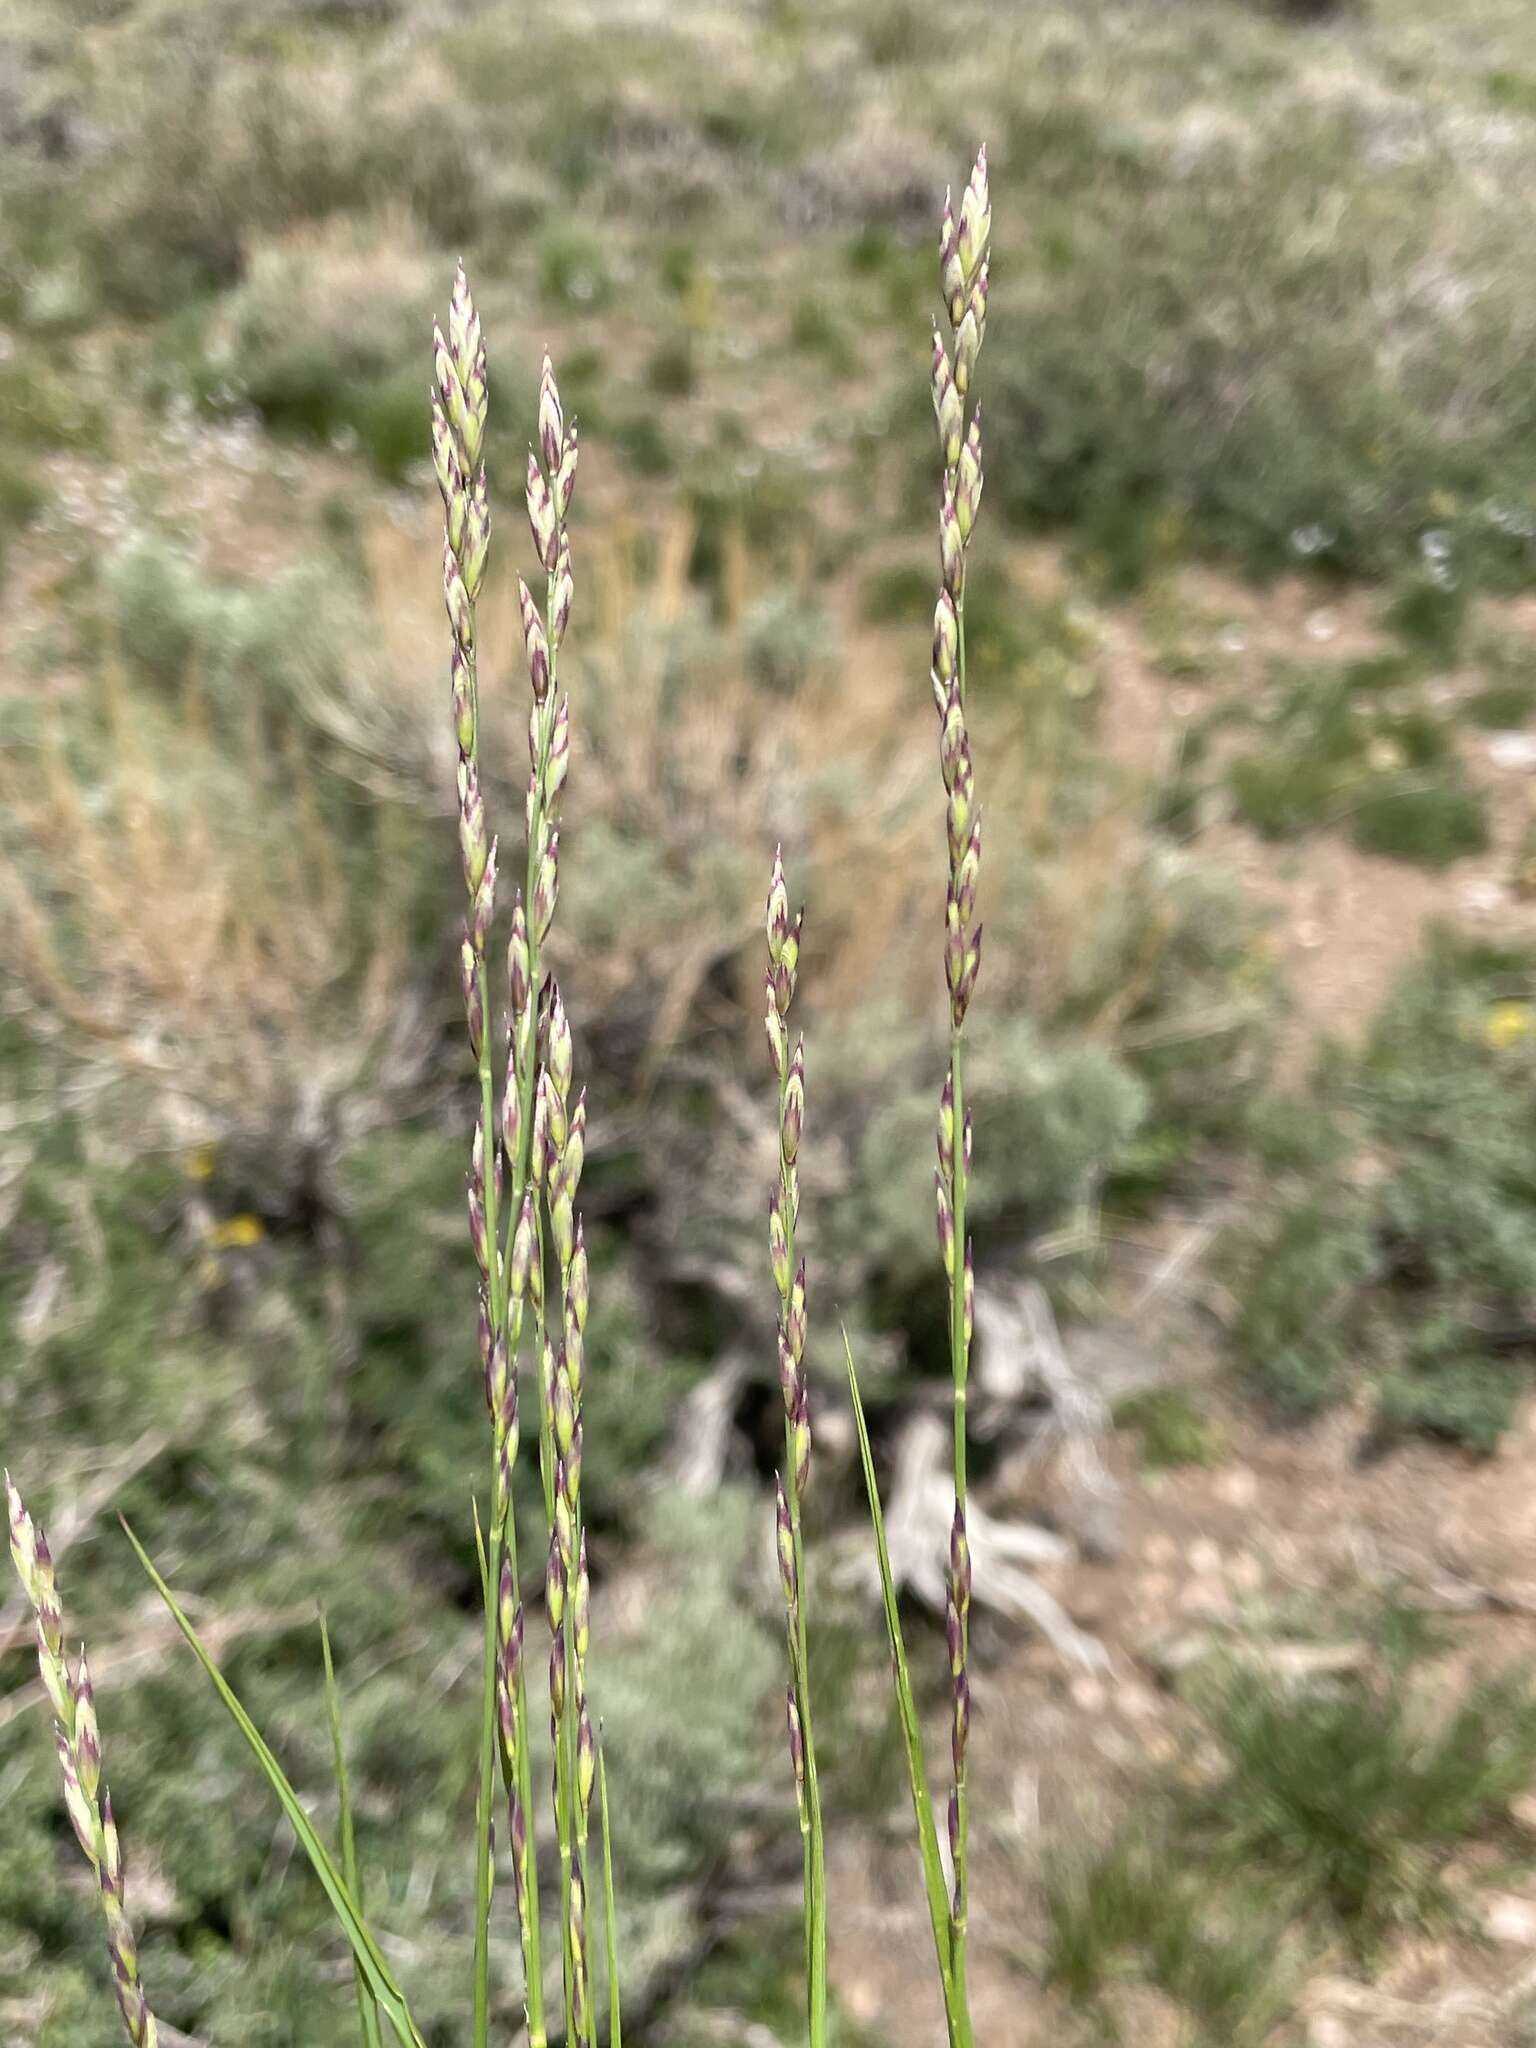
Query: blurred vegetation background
[1256,717]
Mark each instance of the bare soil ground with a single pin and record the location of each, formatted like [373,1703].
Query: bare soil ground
[1280,1526]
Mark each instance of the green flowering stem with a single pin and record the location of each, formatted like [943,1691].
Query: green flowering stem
[963,276]
[458,435]
[550,1142]
[960,1354]
[960,1359]
[482,1961]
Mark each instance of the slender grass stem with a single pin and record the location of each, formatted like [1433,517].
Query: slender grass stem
[496,1296]
[528,1902]
[815,1840]
[610,1918]
[960,1358]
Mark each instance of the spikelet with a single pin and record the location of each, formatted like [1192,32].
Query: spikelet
[77,1738]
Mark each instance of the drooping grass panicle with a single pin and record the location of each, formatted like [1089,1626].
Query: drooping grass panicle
[788,1271]
[963,276]
[77,1736]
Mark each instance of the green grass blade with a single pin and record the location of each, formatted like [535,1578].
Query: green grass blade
[610,1931]
[367,2010]
[381,1983]
[917,1770]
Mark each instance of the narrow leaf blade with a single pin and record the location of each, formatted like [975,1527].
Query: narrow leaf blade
[381,1983]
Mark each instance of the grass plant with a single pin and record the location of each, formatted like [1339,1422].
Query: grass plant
[527,1151]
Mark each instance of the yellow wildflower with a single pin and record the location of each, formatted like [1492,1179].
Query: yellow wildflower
[237,1233]
[1507,1023]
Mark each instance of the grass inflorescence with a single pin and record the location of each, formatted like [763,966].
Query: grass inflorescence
[526,1156]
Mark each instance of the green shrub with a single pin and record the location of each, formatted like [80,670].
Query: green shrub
[40,410]
[1293,1334]
[1431,825]
[22,498]
[574,267]
[1354,1801]
[1429,604]
[1138,1908]
[323,342]
[1242,393]
[815,330]
[1170,1427]
[1315,1814]
[171,620]
[1065,1113]
[644,443]
[672,371]
[1409,1274]
[1502,706]
[898,595]
[1458,1395]
[1350,746]
[678,266]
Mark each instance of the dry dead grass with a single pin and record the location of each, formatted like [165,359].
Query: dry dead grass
[176,908]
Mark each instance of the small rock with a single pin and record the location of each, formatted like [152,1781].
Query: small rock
[1245,1574]
[1480,897]
[1140,1703]
[1087,1694]
[1327,2030]
[1509,1918]
[1100,1532]
[1237,1487]
[1296,1663]
[1208,1602]
[1515,750]
[862,1997]
[1205,1558]
[1116,1747]
[1168,1656]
